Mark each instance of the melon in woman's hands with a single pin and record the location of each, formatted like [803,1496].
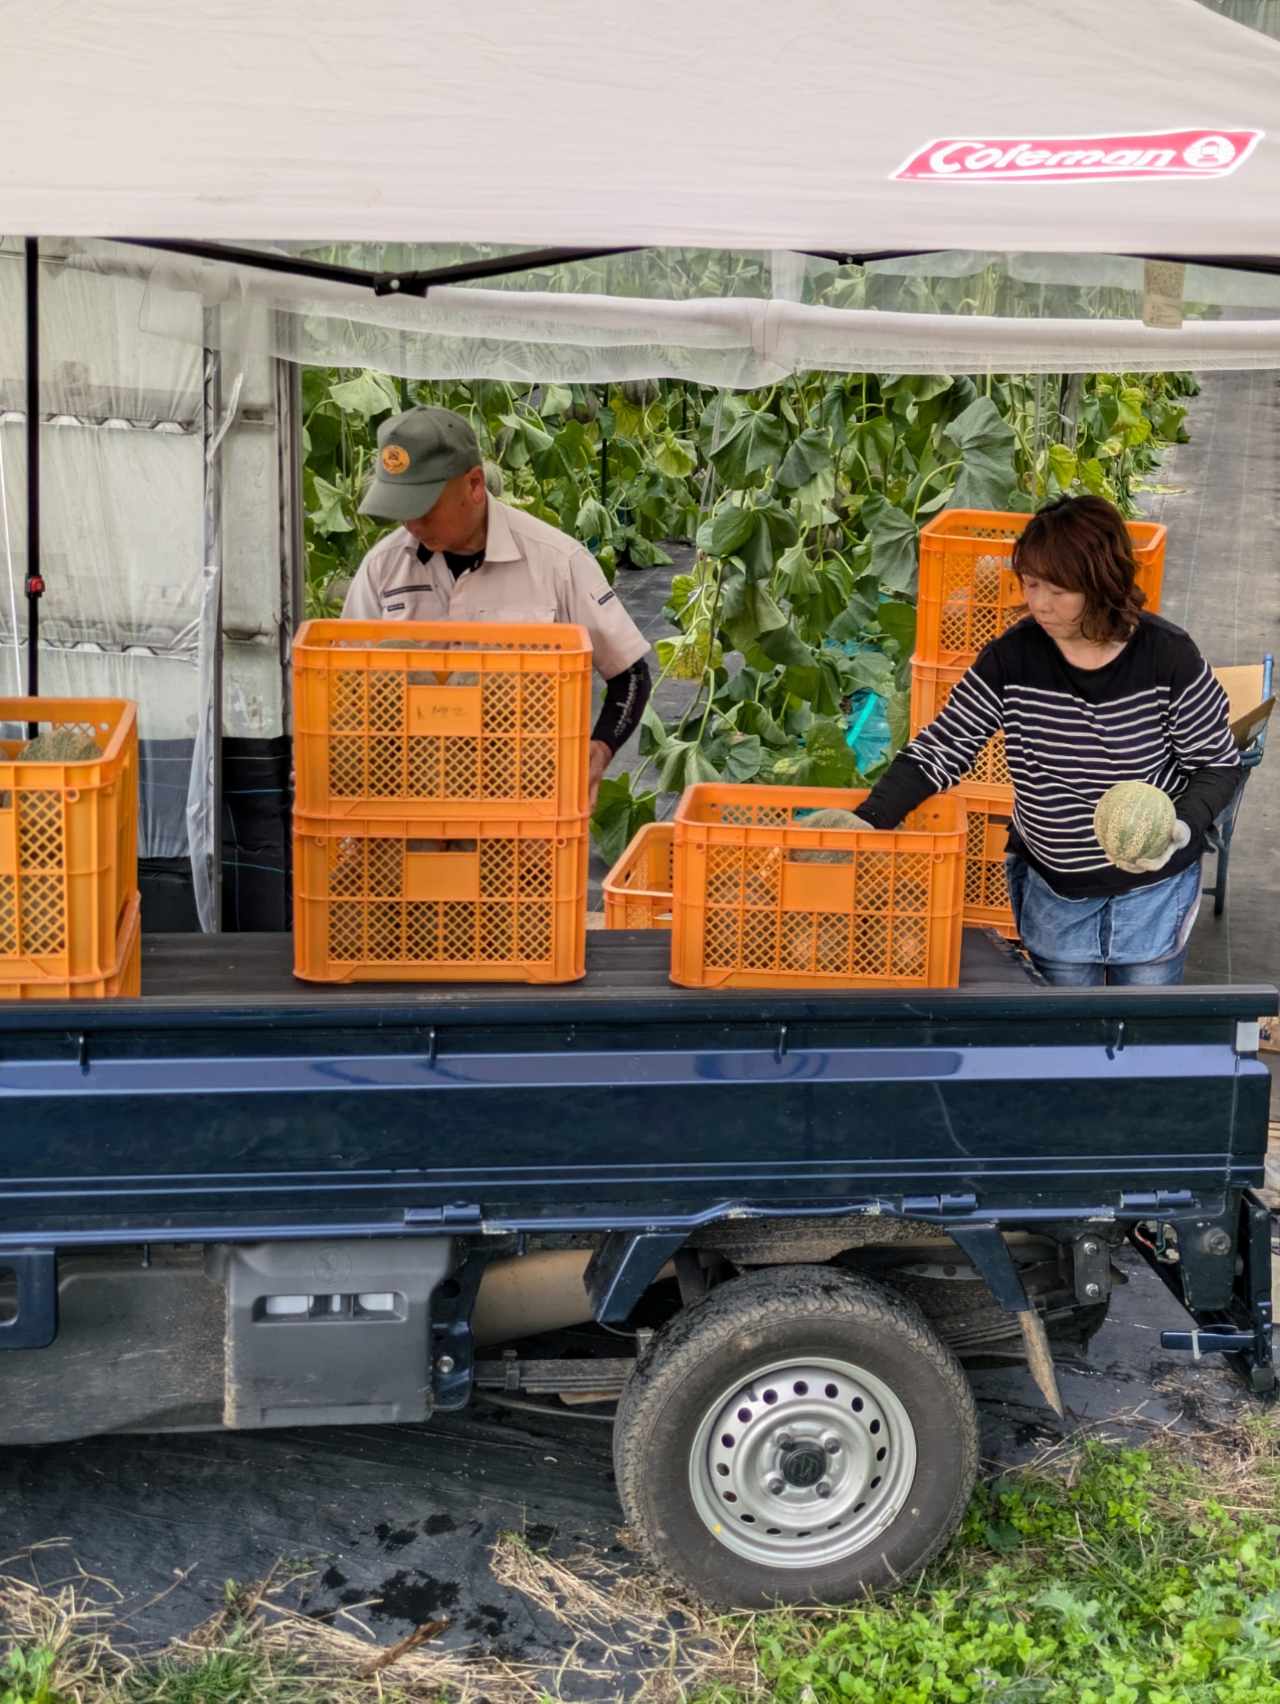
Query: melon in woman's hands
[1136,825]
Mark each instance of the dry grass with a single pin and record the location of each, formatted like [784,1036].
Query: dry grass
[623,1638]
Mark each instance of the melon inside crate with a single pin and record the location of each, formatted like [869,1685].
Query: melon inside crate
[761,901]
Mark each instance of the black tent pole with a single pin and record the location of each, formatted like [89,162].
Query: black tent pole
[35,582]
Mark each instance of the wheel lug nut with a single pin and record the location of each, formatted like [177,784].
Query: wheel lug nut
[823,1489]
[777,1485]
[831,1445]
[783,1440]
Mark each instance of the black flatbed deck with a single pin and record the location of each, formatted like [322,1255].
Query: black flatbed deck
[220,968]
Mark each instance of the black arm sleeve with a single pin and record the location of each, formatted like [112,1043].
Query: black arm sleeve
[1208,792]
[902,787]
[625,697]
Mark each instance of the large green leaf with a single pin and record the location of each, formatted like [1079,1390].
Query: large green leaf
[832,762]
[808,456]
[898,620]
[753,718]
[986,443]
[593,521]
[870,671]
[833,415]
[619,815]
[747,611]
[366,395]
[864,600]
[744,759]
[729,530]
[328,515]
[575,447]
[918,387]
[754,441]
[675,457]
[895,548]
[875,441]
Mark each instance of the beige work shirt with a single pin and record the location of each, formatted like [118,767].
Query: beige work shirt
[530,572]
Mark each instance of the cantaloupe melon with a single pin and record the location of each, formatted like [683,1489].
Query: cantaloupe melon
[1134,820]
[61,745]
[640,393]
[830,817]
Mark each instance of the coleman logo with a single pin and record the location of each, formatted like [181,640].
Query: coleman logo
[1162,154]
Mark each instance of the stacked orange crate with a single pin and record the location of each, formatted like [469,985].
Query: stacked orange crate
[968,596]
[440,831]
[69,905]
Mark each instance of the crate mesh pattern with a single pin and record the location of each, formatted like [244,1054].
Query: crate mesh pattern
[511,922]
[746,929]
[371,754]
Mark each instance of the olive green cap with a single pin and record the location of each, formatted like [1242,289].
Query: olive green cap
[419,452]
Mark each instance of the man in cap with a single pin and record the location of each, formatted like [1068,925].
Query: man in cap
[461,555]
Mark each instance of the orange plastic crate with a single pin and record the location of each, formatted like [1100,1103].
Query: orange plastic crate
[124,977]
[986,893]
[969,594]
[931,687]
[454,900]
[637,890]
[750,914]
[491,714]
[68,845]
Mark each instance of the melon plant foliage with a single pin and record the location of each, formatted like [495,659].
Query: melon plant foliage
[805,501]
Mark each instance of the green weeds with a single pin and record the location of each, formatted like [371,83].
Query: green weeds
[1133,1576]
[24,1679]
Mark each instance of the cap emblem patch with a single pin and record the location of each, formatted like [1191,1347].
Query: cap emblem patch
[394,459]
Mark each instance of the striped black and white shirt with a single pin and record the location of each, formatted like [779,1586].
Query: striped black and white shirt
[1155,713]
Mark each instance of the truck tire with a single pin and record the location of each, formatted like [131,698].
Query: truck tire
[801,1436]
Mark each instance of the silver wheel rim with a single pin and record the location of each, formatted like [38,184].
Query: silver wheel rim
[803,1463]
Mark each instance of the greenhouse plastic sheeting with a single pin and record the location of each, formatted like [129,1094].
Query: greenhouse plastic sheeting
[122,481]
[714,317]
[733,122]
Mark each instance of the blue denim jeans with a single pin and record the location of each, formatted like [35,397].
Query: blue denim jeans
[1125,940]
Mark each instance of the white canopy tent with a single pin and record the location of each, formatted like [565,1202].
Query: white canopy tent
[732,124]
[1009,142]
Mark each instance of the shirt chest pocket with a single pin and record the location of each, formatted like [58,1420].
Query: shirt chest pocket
[411,603]
[539,613]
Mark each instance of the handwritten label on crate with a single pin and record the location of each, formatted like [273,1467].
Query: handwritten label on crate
[456,710]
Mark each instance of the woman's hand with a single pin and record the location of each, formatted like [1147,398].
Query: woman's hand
[1142,866]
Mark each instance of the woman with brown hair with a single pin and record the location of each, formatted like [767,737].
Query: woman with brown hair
[1090,689]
